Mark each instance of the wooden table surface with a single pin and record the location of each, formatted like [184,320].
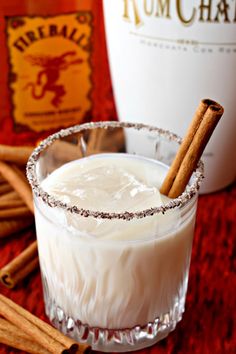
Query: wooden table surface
[208,325]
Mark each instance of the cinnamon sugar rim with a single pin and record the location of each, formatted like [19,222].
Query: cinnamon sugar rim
[51,201]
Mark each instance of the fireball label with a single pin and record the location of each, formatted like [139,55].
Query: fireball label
[50,73]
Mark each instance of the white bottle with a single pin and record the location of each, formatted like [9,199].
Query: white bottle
[165,56]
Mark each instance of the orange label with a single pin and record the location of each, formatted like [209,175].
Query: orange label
[50,72]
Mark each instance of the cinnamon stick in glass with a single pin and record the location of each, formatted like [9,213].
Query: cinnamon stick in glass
[204,122]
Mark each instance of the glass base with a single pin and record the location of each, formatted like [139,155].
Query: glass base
[108,340]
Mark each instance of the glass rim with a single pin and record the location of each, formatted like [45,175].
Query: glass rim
[53,202]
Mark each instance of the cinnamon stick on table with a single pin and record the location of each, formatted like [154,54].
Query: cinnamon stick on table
[10,213]
[203,124]
[11,226]
[105,140]
[15,154]
[11,204]
[16,338]
[113,141]
[95,140]
[20,266]
[10,196]
[14,217]
[19,182]
[41,332]
[5,188]
[2,180]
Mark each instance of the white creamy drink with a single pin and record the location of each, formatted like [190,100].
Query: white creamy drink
[113,274]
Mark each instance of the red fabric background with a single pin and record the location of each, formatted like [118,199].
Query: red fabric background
[208,325]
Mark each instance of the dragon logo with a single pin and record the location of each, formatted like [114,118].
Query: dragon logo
[49,74]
